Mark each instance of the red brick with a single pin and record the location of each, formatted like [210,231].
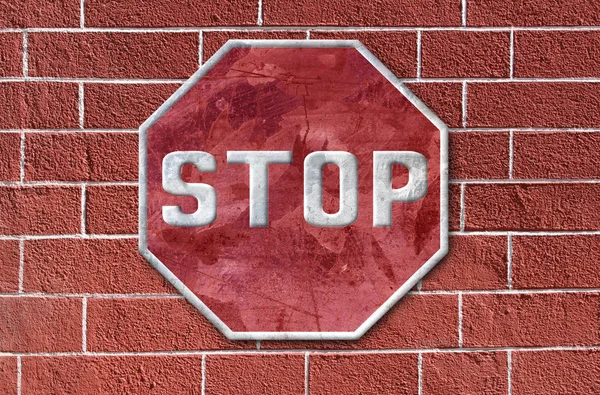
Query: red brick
[465,54]
[473,262]
[532,13]
[454,207]
[8,375]
[557,155]
[556,372]
[532,207]
[169,13]
[10,152]
[556,54]
[521,320]
[254,374]
[482,155]
[363,374]
[123,106]
[11,54]
[556,262]
[534,104]
[465,373]
[113,55]
[81,156]
[39,13]
[152,324]
[31,324]
[9,265]
[215,40]
[444,99]
[112,209]
[397,50]
[38,105]
[40,210]
[417,321]
[89,266]
[362,13]
[159,374]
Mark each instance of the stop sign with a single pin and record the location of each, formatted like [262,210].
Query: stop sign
[293,189]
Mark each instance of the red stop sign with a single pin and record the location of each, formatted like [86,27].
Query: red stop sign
[293,189]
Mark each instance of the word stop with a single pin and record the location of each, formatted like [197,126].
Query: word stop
[258,161]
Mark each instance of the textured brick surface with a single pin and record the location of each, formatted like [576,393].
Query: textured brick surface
[215,40]
[32,324]
[556,372]
[454,207]
[396,50]
[479,155]
[357,13]
[40,105]
[363,374]
[40,210]
[519,207]
[39,13]
[112,209]
[10,152]
[444,99]
[557,155]
[556,262]
[473,262]
[531,320]
[89,266]
[254,374]
[465,54]
[151,325]
[417,321]
[11,54]
[113,55]
[8,375]
[81,156]
[161,374]
[123,106]
[554,54]
[9,265]
[465,373]
[166,13]
[534,104]
[532,13]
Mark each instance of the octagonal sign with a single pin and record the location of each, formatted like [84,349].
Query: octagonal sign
[293,189]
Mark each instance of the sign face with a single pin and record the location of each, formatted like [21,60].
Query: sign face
[293,189]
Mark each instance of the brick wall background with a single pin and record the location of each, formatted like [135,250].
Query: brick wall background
[513,309]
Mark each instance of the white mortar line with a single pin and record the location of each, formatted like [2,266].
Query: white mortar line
[258,344]
[462,208]
[308,34]
[84,324]
[203,374]
[536,130]
[123,81]
[509,261]
[83,209]
[82,14]
[529,181]
[509,371]
[460,320]
[419,55]
[464,104]
[306,374]
[511,154]
[512,53]
[464,12]
[81,106]
[66,183]
[22,158]
[69,131]
[68,236]
[90,295]
[200,48]
[21,265]
[25,55]
[259,19]
[19,374]
[528,233]
[303,351]
[420,373]
[510,291]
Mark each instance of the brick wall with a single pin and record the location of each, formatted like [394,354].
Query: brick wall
[513,309]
